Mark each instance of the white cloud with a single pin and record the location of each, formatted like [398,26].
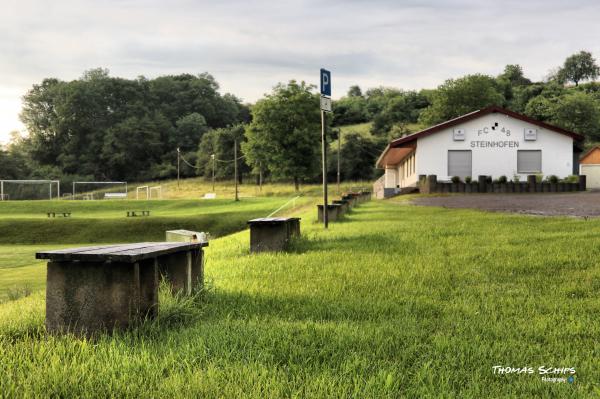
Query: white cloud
[249,46]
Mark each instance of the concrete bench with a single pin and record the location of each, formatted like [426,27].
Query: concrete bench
[345,205]
[131,214]
[99,288]
[333,212]
[55,214]
[352,200]
[272,234]
[115,195]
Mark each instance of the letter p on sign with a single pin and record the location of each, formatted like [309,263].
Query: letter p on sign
[325,83]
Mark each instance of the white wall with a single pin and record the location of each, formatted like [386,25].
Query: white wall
[557,149]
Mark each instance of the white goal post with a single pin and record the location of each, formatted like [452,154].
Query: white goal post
[157,190]
[4,186]
[99,190]
[141,188]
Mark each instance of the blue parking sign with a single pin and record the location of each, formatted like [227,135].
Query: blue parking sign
[325,82]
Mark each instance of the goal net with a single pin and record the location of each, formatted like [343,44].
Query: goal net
[29,190]
[97,190]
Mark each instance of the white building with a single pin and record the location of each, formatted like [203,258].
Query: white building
[493,142]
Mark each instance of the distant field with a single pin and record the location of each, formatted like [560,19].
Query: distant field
[395,301]
[195,188]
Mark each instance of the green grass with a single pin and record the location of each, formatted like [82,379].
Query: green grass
[26,222]
[396,301]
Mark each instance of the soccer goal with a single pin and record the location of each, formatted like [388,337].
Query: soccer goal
[143,189]
[156,192]
[97,190]
[29,190]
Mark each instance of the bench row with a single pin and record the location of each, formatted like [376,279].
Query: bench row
[338,208]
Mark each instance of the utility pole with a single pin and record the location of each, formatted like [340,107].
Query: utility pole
[339,155]
[178,156]
[213,171]
[235,168]
[260,177]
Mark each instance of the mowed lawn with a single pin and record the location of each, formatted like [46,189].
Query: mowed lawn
[25,228]
[396,301]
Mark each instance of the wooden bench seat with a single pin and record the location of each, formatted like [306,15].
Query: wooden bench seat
[137,213]
[59,214]
[99,288]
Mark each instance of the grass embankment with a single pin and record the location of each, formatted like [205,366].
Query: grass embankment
[197,187]
[396,301]
[26,222]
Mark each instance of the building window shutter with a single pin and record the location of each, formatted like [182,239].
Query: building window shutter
[529,161]
[459,163]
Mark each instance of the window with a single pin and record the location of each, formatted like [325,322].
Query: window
[459,163]
[529,161]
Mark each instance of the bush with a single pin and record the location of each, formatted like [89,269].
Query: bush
[502,179]
[539,178]
[516,178]
[571,179]
[488,179]
[553,179]
[455,179]
[468,179]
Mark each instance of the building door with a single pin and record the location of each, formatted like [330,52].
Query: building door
[459,163]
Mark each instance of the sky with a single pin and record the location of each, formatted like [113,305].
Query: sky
[249,46]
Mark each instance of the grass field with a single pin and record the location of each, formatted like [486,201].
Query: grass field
[396,301]
[25,227]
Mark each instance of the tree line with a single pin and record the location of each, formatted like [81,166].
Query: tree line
[100,127]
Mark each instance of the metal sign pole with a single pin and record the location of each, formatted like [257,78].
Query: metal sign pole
[339,155]
[325,83]
[324,157]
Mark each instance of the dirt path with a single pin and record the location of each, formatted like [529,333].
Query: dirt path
[570,204]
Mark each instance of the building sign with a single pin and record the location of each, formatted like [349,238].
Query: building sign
[530,134]
[459,134]
[487,131]
[494,144]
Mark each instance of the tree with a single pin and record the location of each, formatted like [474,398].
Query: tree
[513,73]
[220,143]
[400,108]
[77,127]
[284,134]
[354,91]
[460,96]
[579,67]
[580,113]
[189,131]
[358,156]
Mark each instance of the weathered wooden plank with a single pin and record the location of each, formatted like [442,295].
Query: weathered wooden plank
[119,253]
[271,220]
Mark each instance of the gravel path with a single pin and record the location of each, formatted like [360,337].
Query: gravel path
[571,204]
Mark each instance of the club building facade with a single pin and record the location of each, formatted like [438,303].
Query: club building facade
[492,141]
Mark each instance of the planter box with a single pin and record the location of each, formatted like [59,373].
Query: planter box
[553,187]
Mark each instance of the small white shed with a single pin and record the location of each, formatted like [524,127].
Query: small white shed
[589,165]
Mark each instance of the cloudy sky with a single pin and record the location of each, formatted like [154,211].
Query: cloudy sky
[249,46]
